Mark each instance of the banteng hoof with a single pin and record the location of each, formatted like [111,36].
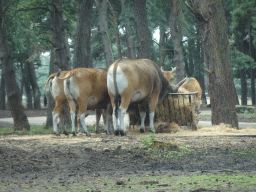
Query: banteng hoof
[142,130]
[74,134]
[65,132]
[88,134]
[57,134]
[116,132]
[122,133]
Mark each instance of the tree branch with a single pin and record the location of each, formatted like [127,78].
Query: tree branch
[47,40]
[32,8]
[196,12]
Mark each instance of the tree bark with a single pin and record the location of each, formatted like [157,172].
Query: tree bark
[83,35]
[129,36]
[143,34]
[12,88]
[27,87]
[2,93]
[176,35]
[243,86]
[210,17]
[103,19]
[162,42]
[253,85]
[62,59]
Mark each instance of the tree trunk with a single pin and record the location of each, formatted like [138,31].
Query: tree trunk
[83,35]
[162,42]
[210,17]
[176,35]
[62,59]
[27,87]
[243,87]
[143,34]
[129,36]
[12,88]
[253,85]
[2,93]
[103,19]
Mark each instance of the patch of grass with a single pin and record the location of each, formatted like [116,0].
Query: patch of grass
[149,140]
[36,130]
[208,116]
[251,152]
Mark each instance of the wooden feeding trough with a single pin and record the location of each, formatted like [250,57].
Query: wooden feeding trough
[176,108]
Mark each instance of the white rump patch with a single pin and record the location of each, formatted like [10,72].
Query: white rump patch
[71,90]
[55,89]
[121,80]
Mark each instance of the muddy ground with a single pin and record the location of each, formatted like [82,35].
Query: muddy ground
[47,160]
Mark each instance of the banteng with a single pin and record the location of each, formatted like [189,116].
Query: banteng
[140,81]
[57,91]
[169,75]
[87,88]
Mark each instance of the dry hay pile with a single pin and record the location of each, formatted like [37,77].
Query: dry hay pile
[179,109]
[221,129]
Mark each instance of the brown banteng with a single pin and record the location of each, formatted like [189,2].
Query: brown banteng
[192,85]
[169,75]
[87,88]
[57,91]
[138,81]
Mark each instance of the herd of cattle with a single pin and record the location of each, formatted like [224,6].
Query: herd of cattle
[126,81]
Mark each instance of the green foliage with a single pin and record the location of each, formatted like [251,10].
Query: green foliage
[148,140]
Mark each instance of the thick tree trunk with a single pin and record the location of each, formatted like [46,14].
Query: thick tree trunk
[33,82]
[83,35]
[129,36]
[2,93]
[143,34]
[243,87]
[27,87]
[176,35]
[253,85]
[210,17]
[62,59]
[12,88]
[103,19]
[162,42]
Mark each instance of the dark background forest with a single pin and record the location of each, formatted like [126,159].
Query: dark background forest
[43,36]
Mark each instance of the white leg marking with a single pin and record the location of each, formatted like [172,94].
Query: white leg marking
[115,120]
[73,118]
[142,121]
[151,121]
[122,114]
[55,118]
[82,118]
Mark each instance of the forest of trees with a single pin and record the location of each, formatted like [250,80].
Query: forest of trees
[211,40]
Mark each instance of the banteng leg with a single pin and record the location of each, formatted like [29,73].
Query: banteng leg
[142,118]
[152,106]
[108,120]
[72,106]
[62,124]
[98,114]
[56,113]
[82,114]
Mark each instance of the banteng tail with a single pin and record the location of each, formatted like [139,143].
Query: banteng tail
[117,97]
[46,85]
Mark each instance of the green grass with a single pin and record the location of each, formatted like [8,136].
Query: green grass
[36,130]
[222,182]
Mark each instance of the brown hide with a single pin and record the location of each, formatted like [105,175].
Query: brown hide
[59,98]
[191,85]
[169,75]
[91,85]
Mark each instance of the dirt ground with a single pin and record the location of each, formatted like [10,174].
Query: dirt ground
[46,160]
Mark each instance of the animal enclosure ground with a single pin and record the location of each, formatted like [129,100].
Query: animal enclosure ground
[44,162]
[110,163]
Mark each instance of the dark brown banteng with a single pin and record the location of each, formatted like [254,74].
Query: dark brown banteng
[87,88]
[139,81]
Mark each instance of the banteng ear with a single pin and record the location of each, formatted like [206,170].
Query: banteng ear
[173,69]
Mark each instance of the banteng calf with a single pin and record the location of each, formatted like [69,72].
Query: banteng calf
[139,81]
